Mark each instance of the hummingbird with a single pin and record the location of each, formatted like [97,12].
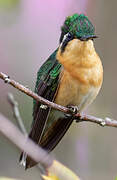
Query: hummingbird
[72,76]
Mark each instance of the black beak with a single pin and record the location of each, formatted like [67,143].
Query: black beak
[86,38]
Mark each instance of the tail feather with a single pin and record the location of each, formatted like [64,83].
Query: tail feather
[51,138]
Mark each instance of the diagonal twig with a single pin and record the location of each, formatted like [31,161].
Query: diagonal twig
[16,113]
[27,91]
[14,135]
[52,166]
[78,117]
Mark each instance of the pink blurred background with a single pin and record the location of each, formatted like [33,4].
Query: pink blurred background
[29,33]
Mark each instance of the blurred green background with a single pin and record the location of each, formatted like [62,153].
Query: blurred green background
[29,32]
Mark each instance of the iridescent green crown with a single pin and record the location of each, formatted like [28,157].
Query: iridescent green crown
[78,25]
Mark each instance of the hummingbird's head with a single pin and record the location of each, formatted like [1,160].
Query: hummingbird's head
[76,27]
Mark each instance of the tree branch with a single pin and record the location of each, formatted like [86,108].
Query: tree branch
[78,117]
[51,166]
[102,122]
[25,144]
[16,113]
[27,91]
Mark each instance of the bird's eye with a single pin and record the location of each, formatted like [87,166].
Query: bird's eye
[69,35]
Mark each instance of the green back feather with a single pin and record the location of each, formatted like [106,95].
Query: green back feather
[45,68]
[48,74]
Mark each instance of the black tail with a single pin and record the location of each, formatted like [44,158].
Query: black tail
[51,138]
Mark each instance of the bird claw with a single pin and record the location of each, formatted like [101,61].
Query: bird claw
[73,109]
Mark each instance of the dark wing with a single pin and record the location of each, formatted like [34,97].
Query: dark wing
[55,133]
[46,86]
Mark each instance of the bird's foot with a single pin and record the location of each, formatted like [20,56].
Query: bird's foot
[73,109]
